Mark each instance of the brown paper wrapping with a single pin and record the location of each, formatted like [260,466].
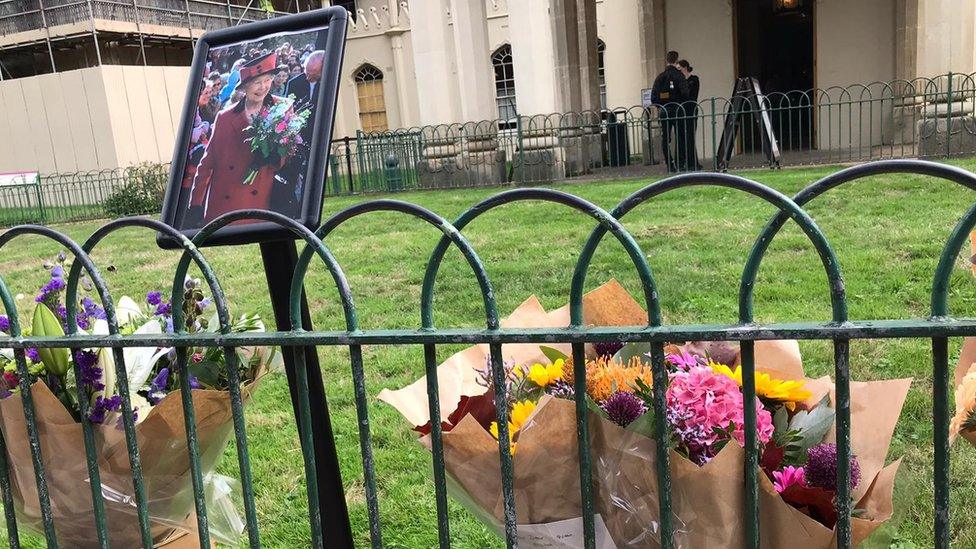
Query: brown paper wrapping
[163,454]
[707,501]
[546,465]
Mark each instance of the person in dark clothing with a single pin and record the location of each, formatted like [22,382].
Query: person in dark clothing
[670,89]
[691,111]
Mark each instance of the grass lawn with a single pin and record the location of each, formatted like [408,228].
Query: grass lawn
[888,233]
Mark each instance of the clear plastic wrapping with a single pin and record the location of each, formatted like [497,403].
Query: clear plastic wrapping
[165,469]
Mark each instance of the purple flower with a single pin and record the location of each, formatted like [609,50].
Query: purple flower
[204,303]
[4,323]
[154,298]
[157,387]
[194,384]
[102,406]
[61,311]
[623,408]
[57,272]
[90,373]
[92,309]
[561,389]
[821,467]
[83,321]
[54,286]
[32,355]
[163,309]
[607,348]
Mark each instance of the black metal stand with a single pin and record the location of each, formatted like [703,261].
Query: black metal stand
[279,265]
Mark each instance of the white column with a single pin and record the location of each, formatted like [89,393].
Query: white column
[433,51]
[589,59]
[474,70]
[532,56]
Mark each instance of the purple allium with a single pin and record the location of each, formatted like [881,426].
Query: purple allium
[623,408]
[561,389]
[607,348]
[91,374]
[154,298]
[4,323]
[32,355]
[821,467]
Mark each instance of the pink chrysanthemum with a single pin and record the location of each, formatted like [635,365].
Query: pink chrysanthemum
[703,406]
[789,476]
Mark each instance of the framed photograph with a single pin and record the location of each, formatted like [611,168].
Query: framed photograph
[256,126]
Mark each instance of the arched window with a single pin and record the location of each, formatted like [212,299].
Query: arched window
[501,60]
[369,91]
[601,74]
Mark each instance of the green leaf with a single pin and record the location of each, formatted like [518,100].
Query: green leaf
[781,420]
[592,406]
[46,324]
[643,425]
[631,350]
[553,354]
[812,426]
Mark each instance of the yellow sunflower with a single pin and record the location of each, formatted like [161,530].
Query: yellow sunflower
[788,392]
[516,420]
[545,375]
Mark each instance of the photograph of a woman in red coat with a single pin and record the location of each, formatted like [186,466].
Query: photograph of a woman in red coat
[231,176]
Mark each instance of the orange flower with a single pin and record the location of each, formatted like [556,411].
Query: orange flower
[605,377]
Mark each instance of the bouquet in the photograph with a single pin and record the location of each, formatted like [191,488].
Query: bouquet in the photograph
[542,426]
[275,135]
[154,391]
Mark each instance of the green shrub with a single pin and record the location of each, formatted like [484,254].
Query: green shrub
[141,192]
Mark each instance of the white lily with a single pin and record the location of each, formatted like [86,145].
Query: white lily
[127,310]
[139,361]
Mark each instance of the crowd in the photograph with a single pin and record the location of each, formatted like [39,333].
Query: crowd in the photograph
[219,89]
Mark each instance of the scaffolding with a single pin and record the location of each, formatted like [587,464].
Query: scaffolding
[44,36]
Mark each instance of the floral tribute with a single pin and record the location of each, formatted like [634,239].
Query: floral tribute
[59,377]
[705,418]
[275,134]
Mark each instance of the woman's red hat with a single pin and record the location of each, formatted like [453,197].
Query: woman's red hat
[258,66]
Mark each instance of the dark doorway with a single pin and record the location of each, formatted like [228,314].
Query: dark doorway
[775,44]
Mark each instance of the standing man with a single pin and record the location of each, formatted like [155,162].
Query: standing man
[670,89]
[287,197]
[691,111]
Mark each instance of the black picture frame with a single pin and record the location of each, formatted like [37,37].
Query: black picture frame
[333,22]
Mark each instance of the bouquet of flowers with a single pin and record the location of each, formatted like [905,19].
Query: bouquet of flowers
[275,135]
[153,388]
[705,418]
[963,423]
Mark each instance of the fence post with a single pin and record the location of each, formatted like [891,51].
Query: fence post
[40,199]
[520,176]
[714,144]
[949,117]
[345,142]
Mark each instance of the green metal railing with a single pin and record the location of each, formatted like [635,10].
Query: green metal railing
[838,329]
[925,117]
